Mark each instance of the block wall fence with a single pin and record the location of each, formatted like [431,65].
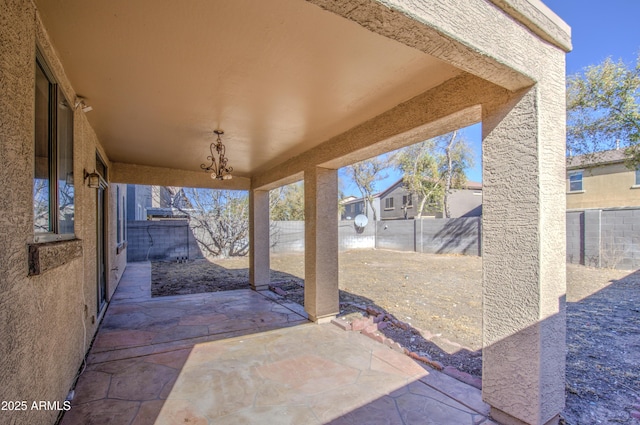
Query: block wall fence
[597,238]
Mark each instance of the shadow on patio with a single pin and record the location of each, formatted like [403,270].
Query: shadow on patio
[237,357]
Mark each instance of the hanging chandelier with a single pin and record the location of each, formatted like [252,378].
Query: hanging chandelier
[218,167]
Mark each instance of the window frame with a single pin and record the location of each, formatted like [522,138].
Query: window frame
[637,176]
[121,217]
[407,200]
[575,173]
[60,140]
[118,218]
[388,203]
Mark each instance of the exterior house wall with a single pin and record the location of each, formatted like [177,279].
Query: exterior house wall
[465,203]
[138,200]
[513,80]
[524,201]
[396,192]
[462,202]
[606,186]
[160,197]
[47,320]
[355,207]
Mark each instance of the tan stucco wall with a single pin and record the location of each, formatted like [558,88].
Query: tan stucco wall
[151,176]
[604,187]
[514,83]
[42,318]
[519,79]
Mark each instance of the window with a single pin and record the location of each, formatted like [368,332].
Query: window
[53,192]
[388,204]
[407,201]
[637,177]
[121,219]
[575,181]
[118,216]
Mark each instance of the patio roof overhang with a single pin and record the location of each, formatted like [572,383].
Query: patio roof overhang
[280,77]
[302,88]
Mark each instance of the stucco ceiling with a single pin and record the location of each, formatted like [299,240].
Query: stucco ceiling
[278,76]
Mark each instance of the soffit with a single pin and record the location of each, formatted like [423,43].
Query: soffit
[278,76]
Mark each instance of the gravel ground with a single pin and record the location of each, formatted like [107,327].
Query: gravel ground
[440,296]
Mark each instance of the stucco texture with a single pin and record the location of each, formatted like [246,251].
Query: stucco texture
[523,167]
[43,318]
[606,186]
[511,79]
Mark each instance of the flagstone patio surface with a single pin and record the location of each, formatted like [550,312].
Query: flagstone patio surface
[239,357]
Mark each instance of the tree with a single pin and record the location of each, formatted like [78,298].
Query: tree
[602,109]
[219,219]
[431,169]
[286,203]
[365,174]
[341,195]
[458,157]
[41,204]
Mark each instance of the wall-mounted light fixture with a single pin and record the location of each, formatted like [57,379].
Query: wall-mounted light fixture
[80,103]
[218,166]
[94,179]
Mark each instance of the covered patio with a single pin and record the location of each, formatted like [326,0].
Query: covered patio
[238,357]
[131,92]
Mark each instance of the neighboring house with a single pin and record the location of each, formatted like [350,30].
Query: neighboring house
[153,202]
[466,201]
[266,78]
[354,206]
[167,213]
[138,200]
[398,203]
[601,180]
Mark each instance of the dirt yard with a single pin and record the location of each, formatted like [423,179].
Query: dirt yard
[440,296]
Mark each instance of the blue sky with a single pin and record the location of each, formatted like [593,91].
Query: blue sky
[600,29]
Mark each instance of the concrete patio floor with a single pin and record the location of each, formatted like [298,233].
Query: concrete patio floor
[238,357]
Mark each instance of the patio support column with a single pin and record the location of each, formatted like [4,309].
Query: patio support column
[524,256]
[321,243]
[259,239]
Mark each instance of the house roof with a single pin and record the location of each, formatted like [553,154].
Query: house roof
[167,212]
[473,185]
[348,199]
[353,199]
[597,158]
[390,188]
[468,185]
